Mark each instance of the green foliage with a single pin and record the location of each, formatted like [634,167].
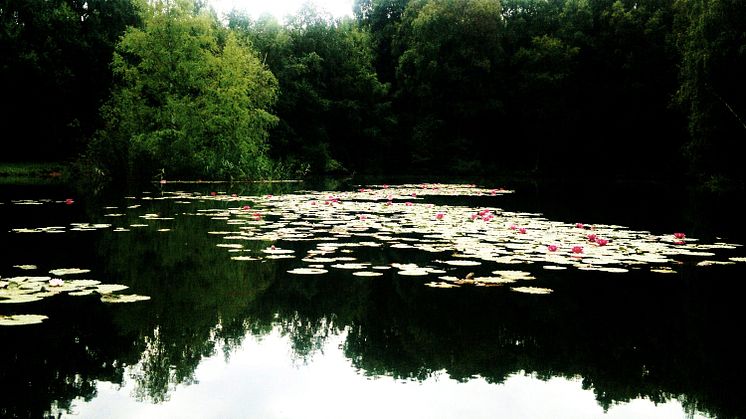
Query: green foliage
[333,110]
[710,35]
[191,101]
[449,74]
[54,73]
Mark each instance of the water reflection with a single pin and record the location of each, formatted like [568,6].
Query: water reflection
[216,329]
[259,380]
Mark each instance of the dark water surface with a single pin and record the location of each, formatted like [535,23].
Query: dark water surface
[225,337]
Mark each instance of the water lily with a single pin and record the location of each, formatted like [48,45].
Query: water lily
[56,282]
[513,227]
[69,201]
[601,242]
[552,247]
[577,249]
[246,208]
[579,225]
[439,216]
[522,230]
[591,237]
[409,204]
[679,235]
[213,193]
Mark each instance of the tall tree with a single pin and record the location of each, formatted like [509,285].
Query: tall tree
[332,108]
[711,36]
[450,78]
[54,72]
[190,100]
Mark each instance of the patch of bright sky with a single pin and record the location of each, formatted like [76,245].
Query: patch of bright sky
[282,8]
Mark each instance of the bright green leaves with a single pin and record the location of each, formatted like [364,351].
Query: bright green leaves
[191,100]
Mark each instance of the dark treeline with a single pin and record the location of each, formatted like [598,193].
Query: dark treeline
[552,88]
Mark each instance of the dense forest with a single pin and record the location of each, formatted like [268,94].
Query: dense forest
[548,88]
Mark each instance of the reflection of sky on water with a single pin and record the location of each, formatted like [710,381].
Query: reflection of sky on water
[261,380]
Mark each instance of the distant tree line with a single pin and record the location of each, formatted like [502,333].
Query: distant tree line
[559,88]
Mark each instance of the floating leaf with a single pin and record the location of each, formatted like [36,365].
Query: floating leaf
[461,262]
[123,298]
[244,258]
[110,288]
[532,290]
[414,272]
[26,267]
[367,273]
[440,285]
[307,271]
[68,271]
[21,319]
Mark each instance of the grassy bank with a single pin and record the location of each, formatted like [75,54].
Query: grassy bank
[31,172]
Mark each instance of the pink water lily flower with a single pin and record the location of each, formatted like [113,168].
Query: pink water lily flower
[213,193]
[679,235]
[409,204]
[513,227]
[385,186]
[579,225]
[591,237]
[69,201]
[246,208]
[439,216]
[601,242]
[552,247]
[522,230]
[577,249]
[362,217]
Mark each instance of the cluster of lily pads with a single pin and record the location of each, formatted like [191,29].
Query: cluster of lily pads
[28,289]
[400,217]
[403,217]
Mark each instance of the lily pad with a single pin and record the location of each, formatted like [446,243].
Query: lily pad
[367,273]
[21,319]
[68,271]
[532,290]
[307,271]
[110,288]
[123,298]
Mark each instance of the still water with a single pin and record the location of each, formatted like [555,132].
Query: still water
[424,301]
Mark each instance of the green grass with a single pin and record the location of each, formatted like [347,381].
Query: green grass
[31,172]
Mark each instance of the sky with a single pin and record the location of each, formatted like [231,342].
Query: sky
[281,8]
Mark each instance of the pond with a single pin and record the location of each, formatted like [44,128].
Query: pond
[410,300]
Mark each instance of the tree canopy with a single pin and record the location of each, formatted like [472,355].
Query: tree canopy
[541,87]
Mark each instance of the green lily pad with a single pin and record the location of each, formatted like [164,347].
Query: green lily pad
[307,271]
[68,271]
[532,290]
[110,288]
[367,273]
[123,298]
[21,319]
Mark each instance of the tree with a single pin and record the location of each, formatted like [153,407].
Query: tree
[190,100]
[334,114]
[712,92]
[450,77]
[54,72]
